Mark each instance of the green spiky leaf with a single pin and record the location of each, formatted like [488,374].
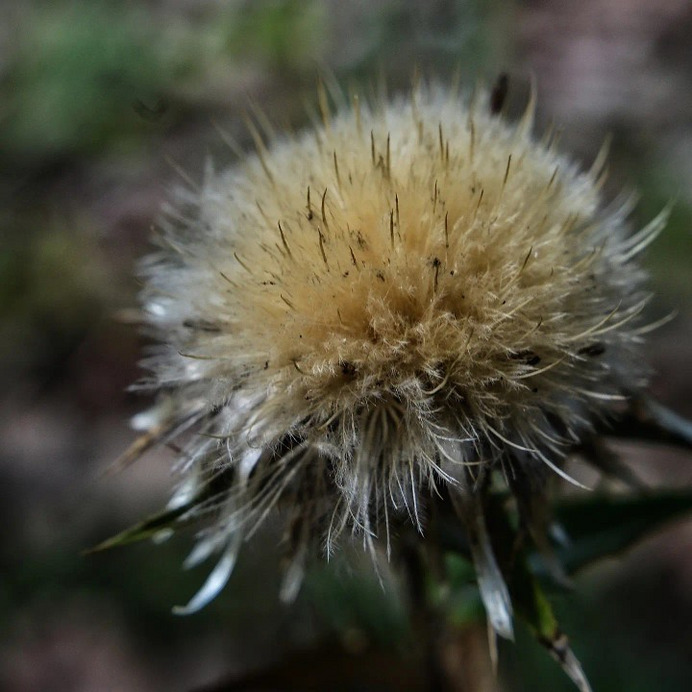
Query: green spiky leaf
[601,526]
[148,528]
[533,607]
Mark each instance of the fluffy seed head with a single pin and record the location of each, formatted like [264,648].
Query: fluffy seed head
[387,307]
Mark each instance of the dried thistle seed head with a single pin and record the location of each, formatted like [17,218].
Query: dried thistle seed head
[397,302]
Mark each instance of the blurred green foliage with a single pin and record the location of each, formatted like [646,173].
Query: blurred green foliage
[352,603]
[670,255]
[73,76]
[285,35]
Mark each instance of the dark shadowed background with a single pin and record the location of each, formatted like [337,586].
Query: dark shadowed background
[104,108]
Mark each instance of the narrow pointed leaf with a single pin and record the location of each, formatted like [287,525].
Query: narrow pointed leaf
[601,526]
[171,518]
[147,528]
[534,608]
[649,420]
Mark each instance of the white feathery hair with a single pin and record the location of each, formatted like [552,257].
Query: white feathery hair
[374,314]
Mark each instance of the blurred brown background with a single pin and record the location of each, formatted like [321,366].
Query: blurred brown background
[101,104]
